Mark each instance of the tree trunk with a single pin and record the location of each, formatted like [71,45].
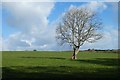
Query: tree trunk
[76,52]
[74,56]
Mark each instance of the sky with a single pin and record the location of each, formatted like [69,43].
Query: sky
[32,25]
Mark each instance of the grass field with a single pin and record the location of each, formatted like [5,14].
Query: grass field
[31,65]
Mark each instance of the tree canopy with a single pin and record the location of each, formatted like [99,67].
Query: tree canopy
[77,26]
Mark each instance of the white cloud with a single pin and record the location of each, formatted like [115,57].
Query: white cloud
[93,6]
[30,18]
[96,6]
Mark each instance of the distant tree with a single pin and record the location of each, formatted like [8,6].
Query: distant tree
[89,49]
[77,26]
[34,50]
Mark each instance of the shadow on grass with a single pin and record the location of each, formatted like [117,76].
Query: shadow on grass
[57,73]
[44,57]
[103,61]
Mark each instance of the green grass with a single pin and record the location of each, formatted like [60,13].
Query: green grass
[58,65]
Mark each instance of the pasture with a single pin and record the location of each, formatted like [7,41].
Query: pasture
[51,65]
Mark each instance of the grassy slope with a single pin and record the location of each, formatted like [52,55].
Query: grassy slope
[58,65]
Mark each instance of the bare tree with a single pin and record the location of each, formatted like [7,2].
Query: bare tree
[77,26]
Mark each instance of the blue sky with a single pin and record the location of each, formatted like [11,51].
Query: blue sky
[28,26]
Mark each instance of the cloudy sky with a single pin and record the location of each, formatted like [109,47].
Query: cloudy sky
[31,25]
